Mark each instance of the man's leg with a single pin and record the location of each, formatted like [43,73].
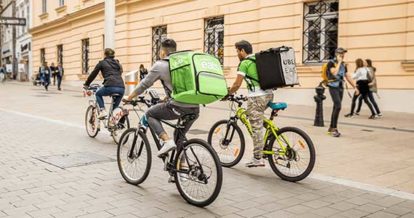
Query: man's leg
[255,111]
[336,94]
[59,82]
[185,111]
[154,115]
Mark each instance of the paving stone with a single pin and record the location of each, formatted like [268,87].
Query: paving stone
[381,214]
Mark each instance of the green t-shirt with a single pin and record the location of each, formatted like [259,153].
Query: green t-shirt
[247,68]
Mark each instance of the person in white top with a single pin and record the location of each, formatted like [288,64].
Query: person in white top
[361,76]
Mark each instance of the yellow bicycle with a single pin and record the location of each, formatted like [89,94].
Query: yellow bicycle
[289,150]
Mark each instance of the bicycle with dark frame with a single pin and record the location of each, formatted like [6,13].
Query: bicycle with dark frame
[194,166]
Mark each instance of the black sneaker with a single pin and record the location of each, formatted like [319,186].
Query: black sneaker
[357,113]
[350,115]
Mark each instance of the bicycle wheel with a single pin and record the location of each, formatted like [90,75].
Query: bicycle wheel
[134,156]
[120,129]
[92,121]
[199,175]
[297,162]
[230,150]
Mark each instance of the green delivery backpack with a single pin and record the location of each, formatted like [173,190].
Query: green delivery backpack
[197,78]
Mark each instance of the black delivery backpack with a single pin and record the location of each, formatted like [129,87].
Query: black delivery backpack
[276,68]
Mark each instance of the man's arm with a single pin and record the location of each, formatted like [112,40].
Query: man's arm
[148,81]
[241,73]
[93,74]
[334,69]
[237,83]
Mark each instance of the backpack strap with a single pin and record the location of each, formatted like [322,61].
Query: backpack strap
[249,84]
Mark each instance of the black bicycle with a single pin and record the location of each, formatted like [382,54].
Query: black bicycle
[194,166]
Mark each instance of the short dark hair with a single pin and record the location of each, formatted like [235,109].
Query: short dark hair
[109,52]
[244,45]
[169,45]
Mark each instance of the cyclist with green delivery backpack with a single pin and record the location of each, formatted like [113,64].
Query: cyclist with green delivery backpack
[189,79]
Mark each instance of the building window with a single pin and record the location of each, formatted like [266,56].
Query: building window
[320,34]
[42,56]
[60,54]
[61,3]
[158,34]
[214,37]
[44,7]
[85,56]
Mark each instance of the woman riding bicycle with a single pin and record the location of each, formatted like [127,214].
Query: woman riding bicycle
[257,98]
[113,83]
[170,109]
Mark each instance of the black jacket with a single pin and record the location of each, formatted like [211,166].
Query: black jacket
[111,71]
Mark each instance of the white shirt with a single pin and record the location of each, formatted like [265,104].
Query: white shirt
[361,74]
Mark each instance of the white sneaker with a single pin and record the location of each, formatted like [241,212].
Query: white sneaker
[255,163]
[166,147]
[102,114]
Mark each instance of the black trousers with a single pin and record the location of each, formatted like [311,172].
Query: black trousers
[364,92]
[337,93]
[371,99]
[59,81]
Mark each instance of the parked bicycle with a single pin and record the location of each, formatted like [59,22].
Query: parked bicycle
[193,166]
[93,124]
[289,150]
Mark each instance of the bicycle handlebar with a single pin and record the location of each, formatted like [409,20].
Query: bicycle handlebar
[238,99]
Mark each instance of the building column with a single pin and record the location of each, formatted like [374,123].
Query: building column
[110,24]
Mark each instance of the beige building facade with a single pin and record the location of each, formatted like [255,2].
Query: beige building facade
[72,31]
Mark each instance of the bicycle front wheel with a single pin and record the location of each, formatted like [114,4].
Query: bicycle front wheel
[92,121]
[134,156]
[199,175]
[120,128]
[227,140]
[297,160]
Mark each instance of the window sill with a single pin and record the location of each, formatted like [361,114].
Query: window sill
[44,16]
[61,9]
[85,1]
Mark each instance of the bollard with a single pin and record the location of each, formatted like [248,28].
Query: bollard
[131,81]
[319,97]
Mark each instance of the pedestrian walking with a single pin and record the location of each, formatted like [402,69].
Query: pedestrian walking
[372,89]
[53,70]
[143,72]
[46,72]
[336,72]
[60,73]
[362,77]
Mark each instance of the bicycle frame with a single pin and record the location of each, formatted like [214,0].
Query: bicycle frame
[94,103]
[271,129]
[178,133]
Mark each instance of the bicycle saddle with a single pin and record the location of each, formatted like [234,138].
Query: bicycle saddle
[277,105]
[115,95]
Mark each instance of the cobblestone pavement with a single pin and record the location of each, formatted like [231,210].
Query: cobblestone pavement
[35,126]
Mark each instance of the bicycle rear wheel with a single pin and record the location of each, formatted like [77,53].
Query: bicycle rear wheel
[229,149]
[299,159]
[92,121]
[134,156]
[120,129]
[199,175]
